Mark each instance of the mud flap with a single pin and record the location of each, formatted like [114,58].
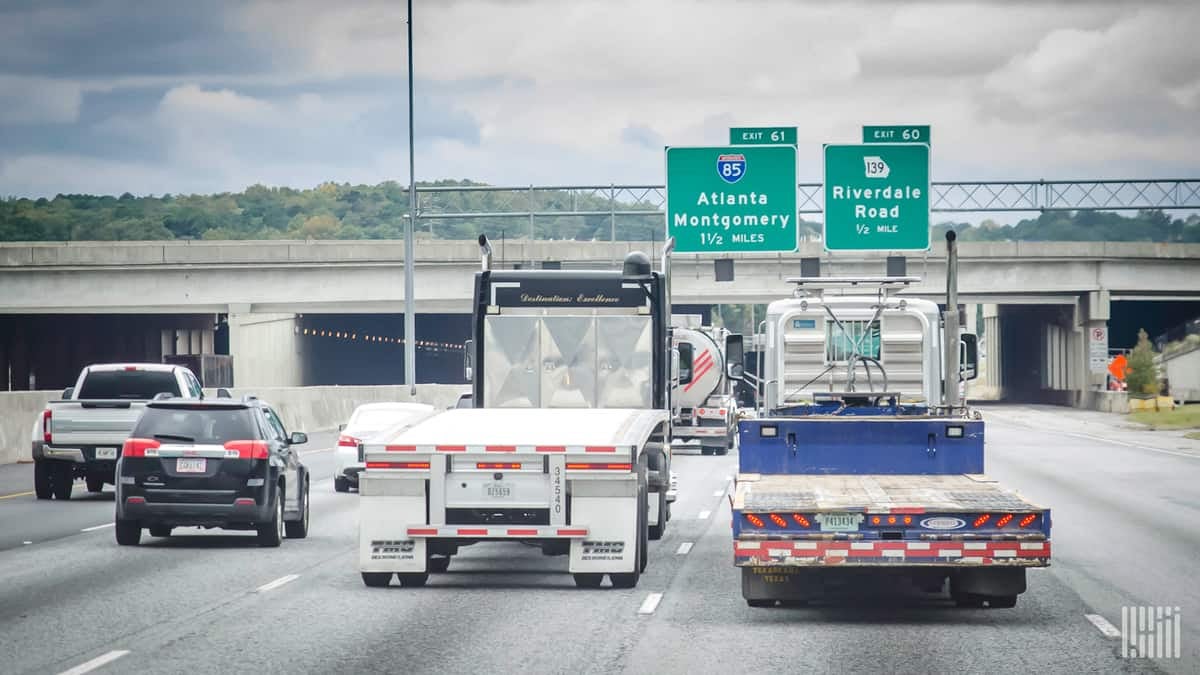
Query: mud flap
[609,509]
[990,581]
[780,583]
[386,508]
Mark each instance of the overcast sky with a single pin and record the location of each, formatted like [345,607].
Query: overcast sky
[109,96]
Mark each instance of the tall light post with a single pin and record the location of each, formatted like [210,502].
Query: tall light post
[410,319]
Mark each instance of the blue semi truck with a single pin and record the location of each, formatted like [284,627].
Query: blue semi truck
[863,462]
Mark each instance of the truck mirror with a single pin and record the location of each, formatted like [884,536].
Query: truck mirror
[68,393]
[468,370]
[968,356]
[686,353]
[735,357]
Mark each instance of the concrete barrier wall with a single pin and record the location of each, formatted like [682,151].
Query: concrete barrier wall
[302,408]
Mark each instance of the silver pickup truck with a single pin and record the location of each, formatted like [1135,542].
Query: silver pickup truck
[81,436]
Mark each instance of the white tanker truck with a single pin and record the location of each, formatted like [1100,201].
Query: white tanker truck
[705,397]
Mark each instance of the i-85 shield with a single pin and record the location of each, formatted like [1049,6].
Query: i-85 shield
[731,167]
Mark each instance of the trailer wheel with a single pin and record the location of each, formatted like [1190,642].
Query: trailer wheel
[439,564]
[377,579]
[413,579]
[1002,601]
[588,580]
[655,532]
[43,479]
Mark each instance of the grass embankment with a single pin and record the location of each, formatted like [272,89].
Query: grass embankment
[1183,417]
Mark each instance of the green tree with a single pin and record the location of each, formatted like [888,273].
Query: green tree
[1141,376]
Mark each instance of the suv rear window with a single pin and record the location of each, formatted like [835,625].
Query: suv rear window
[128,384]
[215,426]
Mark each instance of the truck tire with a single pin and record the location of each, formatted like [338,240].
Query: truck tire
[270,533]
[1002,601]
[63,480]
[438,564]
[129,532]
[95,484]
[412,579]
[340,484]
[377,579]
[656,531]
[588,580]
[298,529]
[43,479]
[630,579]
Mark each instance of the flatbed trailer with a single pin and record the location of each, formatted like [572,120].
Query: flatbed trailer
[571,481]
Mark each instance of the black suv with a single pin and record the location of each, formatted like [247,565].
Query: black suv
[211,463]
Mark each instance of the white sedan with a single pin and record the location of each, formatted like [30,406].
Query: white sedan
[366,421]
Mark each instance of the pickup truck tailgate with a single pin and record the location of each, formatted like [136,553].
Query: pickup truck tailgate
[93,422]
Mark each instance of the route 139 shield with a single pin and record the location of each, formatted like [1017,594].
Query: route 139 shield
[731,167]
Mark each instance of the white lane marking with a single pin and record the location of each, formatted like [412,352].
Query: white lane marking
[704,515]
[26,543]
[1102,624]
[272,585]
[650,603]
[97,527]
[306,453]
[95,663]
[684,548]
[718,493]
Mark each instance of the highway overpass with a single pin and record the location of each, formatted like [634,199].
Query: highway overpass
[256,299]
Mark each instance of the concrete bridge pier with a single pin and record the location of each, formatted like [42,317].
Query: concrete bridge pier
[266,348]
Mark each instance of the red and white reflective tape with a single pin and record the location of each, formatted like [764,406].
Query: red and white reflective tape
[481,449]
[684,432]
[493,532]
[978,552]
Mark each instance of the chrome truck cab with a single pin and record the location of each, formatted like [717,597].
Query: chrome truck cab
[579,339]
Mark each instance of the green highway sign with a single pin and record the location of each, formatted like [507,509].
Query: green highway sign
[762,136]
[877,197]
[731,199]
[909,133]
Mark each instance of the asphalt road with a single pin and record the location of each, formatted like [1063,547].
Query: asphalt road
[207,602]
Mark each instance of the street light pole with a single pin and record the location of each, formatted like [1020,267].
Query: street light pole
[410,228]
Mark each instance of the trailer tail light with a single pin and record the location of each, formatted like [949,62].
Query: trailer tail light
[46,436]
[243,501]
[908,520]
[778,520]
[345,441]
[140,447]
[130,369]
[721,412]
[979,522]
[599,466]
[399,465]
[1028,520]
[247,450]
[1005,520]
[700,411]
[511,466]
[755,520]
[801,520]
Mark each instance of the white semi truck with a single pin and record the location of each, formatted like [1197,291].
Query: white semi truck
[707,407]
[566,445]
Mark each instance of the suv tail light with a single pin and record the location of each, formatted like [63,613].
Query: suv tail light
[247,450]
[140,447]
[345,441]
[46,426]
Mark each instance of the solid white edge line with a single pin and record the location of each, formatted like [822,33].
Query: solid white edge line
[684,548]
[650,603]
[97,527]
[272,585]
[1102,624]
[95,663]
[704,515]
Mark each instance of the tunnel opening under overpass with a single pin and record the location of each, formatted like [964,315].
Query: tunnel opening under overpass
[368,349]
[1157,317]
[47,351]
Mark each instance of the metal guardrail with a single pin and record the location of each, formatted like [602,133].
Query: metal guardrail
[548,201]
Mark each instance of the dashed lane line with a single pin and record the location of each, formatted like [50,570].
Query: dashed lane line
[89,666]
[1102,624]
[272,585]
[97,527]
[684,548]
[650,603]
[16,494]
[704,515]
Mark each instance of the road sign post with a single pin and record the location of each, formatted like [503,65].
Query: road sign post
[762,136]
[732,199]
[877,197]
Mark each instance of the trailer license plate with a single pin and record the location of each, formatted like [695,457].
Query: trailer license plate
[839,522]
[191,465]
[497,490]
[106,453]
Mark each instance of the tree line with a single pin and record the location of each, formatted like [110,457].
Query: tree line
[344,211]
